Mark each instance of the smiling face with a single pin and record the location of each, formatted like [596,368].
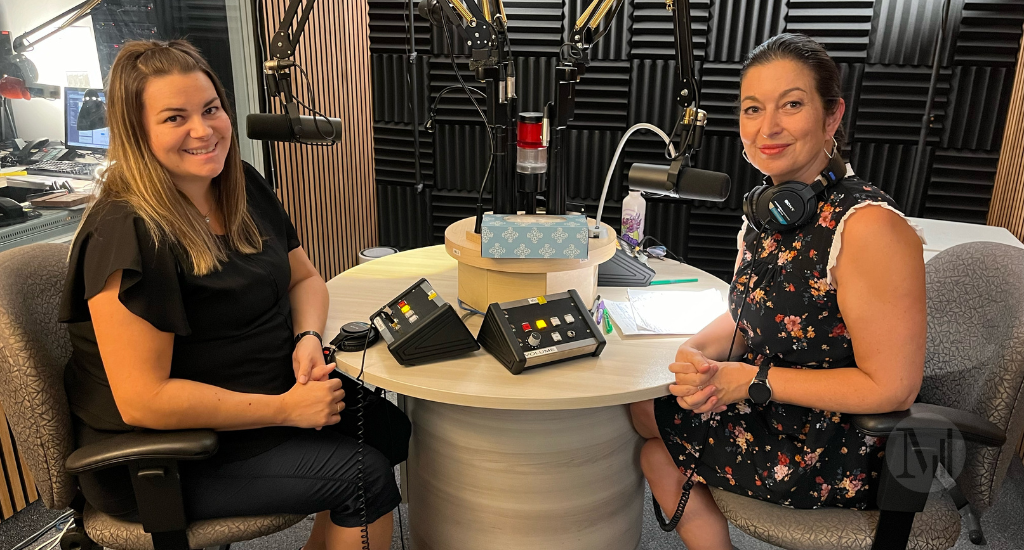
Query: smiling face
[188,130]
[783,124]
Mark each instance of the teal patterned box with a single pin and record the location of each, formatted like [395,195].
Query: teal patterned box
[534,236]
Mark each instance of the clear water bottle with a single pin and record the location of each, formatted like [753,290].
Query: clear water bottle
[634,207]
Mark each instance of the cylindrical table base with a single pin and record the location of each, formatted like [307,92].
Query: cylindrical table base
[482,479]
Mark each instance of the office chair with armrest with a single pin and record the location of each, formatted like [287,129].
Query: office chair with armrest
[34,348]
[974,375]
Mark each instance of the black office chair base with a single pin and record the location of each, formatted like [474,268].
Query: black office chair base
[968,516]
[75,537]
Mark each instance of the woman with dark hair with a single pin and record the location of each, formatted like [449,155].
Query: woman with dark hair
[191,304]
[827,318]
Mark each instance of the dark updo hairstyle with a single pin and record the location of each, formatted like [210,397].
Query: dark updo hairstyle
[803,49]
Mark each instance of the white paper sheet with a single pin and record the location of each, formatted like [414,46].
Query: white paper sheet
[622,315]
[674,312]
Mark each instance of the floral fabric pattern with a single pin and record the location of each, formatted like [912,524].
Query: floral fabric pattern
[781,453]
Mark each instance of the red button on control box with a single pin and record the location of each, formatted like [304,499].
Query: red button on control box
[526,326]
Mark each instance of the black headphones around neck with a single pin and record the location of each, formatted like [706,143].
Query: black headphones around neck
[792,204]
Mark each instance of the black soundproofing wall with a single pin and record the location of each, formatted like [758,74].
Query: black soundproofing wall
[204,23]
[884,49]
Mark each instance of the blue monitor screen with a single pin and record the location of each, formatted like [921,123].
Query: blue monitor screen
[82,139]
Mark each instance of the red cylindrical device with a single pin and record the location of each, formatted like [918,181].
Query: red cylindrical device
[531,153]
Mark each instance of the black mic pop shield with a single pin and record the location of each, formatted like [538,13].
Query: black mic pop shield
[689,183]
[278,127]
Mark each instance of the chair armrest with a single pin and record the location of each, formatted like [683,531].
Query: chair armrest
[925,417]
[135,446]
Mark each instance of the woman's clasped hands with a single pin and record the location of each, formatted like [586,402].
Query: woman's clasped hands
[703,385]
[316,400]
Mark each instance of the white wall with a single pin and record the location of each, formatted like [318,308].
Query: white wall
[59,59]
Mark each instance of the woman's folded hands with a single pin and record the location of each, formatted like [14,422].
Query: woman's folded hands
[703,385]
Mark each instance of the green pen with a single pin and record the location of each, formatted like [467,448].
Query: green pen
[672,281]
[607,323]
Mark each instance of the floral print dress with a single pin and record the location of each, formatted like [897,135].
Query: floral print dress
[781,453]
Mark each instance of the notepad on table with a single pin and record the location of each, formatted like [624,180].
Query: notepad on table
[666,312]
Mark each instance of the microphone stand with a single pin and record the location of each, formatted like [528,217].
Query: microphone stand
[486,34]
[277,71]
[914,205]
[574,58]
[558,113]
[501,113]
[414,78]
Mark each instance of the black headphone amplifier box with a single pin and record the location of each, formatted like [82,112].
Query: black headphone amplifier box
[420,327]
[522,334]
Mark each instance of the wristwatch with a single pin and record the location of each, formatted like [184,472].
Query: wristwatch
[760,390]
[302,335]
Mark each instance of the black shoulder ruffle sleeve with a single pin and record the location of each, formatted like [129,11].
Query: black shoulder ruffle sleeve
[113,238]
[269,206]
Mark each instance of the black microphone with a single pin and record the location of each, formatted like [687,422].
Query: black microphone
[681,182]
[278,127]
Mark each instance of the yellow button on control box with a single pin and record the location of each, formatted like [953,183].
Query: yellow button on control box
[541,300]
[541,324]
[405,309]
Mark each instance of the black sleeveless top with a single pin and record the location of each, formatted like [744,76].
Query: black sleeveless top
[232,327]
[783,453]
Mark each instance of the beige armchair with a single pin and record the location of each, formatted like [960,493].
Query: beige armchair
[974,376]
[34,348]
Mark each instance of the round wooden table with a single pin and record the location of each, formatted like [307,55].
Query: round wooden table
[545,459]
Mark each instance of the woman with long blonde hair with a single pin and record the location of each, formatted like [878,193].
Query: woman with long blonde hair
[191,304]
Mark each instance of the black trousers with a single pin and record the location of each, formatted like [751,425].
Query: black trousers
[310,472]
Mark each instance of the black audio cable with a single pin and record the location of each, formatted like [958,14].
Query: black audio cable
[671,524]
[361,436]
[344,343]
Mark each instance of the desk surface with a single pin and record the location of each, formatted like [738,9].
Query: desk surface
[630,369]
[943,234]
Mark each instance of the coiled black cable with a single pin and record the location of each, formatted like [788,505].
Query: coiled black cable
[671,524]
[361,436]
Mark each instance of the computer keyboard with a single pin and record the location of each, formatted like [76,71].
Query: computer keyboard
[63,169]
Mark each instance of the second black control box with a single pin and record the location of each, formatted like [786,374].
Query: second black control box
[538,331]
[420,327]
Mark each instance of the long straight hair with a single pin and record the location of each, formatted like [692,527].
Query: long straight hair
[137,177]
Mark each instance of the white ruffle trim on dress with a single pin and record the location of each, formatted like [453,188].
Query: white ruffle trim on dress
[837,240]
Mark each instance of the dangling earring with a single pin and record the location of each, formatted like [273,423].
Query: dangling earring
[744,153]
[835,145]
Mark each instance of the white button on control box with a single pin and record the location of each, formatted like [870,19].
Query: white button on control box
[569,318]
[556,337]
[555,322]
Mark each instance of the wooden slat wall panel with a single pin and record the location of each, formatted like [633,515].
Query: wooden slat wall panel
[1007,208]
[17,489]
[329,191]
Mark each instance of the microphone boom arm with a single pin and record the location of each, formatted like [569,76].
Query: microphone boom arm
[21,44]
[282,45]
[277,71]
[476,26]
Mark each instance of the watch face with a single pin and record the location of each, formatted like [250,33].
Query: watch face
[759,392]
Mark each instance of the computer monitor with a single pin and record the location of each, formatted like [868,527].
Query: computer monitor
[90,140]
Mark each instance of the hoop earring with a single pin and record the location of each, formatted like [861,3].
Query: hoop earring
[835,145]
[744,153]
